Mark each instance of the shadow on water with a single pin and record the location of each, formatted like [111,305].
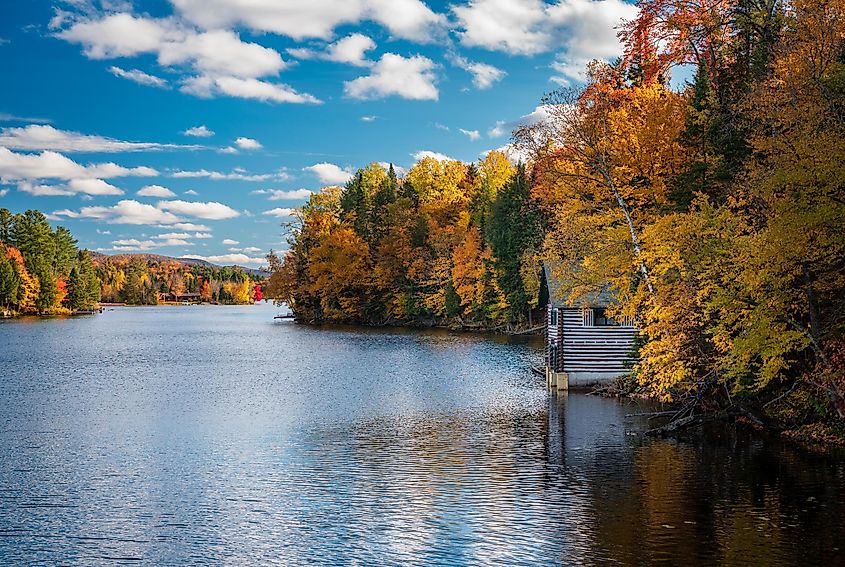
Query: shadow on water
[727,498]
[212,435]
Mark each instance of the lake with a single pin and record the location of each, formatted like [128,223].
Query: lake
[208,435]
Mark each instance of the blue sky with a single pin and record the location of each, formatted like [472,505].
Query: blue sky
[224,114]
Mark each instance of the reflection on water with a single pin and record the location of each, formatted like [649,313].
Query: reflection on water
[209,435]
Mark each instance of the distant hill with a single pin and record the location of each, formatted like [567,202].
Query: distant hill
[98,256]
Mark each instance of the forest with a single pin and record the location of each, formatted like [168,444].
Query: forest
[41,270]
[715,212]
[138,279]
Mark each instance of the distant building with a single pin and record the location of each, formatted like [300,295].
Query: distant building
[583,345]
[178,297]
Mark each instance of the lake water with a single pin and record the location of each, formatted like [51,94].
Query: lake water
[208,435]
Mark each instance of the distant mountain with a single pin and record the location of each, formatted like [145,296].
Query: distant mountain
[98,256]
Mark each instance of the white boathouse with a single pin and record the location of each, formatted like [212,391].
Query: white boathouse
[584,346]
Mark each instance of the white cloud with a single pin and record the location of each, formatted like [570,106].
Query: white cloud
[207,87]
[216,52]
[512,26]
[436,155]
[93,187]
[191,192]
[585,28]
[211,210]
[483,75]
[4,192]
[279,195]
[155,191]
[229,242]
[329,173]
[53,165]
[192,226]
[370,118]
[124,212]
[411,78]
[505,128]
[201,131]
[140,77]
[41,190]
[279,212]
[590,34]
[169,235]
[511,152]
[235,175]
[45,137]
[252,249]
[248,144]
[407,19]
[473,135]
[228,150]
[219,62]
[351,50]
[129,244]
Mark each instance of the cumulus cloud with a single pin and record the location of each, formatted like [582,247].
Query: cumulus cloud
[369,118]
[280,195]
[393,75]
[248,144]
[407,19]
[351,50]
[484,75]
[473,135]
[45,137]
[132,244]
[164,213]
[155,191]
[192,226]
[590,34]
[585,28]
[4,192]
[329,173]
[140,77]
[234,175]
[53,165]
[211,210]
[127,211]
[201,131]
[279,212]
[207,87]
[230,242]
[429,154]
[506,127]
[220,62]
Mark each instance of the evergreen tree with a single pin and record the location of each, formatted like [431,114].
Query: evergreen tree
[83,284]
[384,197]
[66,252]
[513,228]
[9,282]
[6,222]
[32,235]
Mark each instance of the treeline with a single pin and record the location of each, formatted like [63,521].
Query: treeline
[451,243]
[716,213]
[143,280]
[41,269]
